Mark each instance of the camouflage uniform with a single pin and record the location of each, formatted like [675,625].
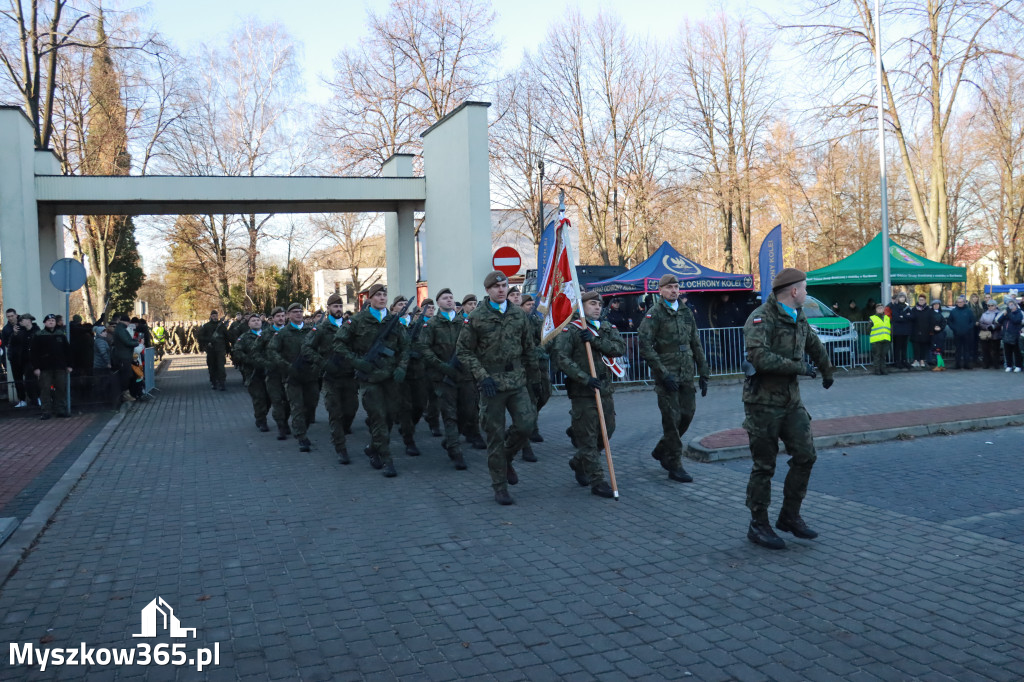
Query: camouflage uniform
[571,354]
[275,382]
[247,355]
[670,345]
[540,379]
[352,341]
[776,345]
[341,393]
[302,384]
[501,346]
[413,391]
[213,338]
[452,384]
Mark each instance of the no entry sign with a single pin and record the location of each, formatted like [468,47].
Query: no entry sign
[507,260]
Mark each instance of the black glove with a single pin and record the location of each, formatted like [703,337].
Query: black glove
[488,388]
[456,363]
[670,383]
[827,382]
[363,366]
[703,381]
[585,335]
[810,371]
[595,383]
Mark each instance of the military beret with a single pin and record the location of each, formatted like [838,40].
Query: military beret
[427,301]
[527,298]
[590,296]
[26,316]
[276,310]
[444,291]
[295,306]
[334,298]
[667,279]
[468,298]
[494,277]
[213,312]
[514,290]
[372,291]
[399,299]
[252,315]
[51,316]
[788,277]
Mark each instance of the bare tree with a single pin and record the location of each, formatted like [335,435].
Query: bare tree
[356,245]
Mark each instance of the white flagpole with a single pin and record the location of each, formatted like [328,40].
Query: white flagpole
[886,274]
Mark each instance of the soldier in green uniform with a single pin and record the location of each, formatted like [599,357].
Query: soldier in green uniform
[275,379]
[247,356]
[424,390]
[339,378]
[670,345]
[452,384]
[777,338]
[237,326]
[408,409]
[542,379]
[302,386]
[570,349]
[515,297]
[213,340]
[471,428]
[497,347]
[377,379]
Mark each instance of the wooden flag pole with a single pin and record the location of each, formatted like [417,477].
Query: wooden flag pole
[604,428]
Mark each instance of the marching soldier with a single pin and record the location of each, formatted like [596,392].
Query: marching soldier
[408,409]
[247,356]
[301,384]
[542,379]
[670,345]
[471,428]
[377,379]
[275,379]
[777,338]
[339,387]
[423,389]
[237,327]
[571,353]
[452,384]
[497,347]
[515,297]
[213,339]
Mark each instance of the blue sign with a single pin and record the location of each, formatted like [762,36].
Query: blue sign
[769,260]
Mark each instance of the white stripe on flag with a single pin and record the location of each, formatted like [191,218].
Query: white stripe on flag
[506,261]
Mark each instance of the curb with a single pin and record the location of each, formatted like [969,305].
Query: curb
[21,540]
[698,453]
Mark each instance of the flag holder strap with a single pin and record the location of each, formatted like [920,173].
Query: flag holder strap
[604,428]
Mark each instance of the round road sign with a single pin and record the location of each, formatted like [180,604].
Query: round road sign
[67,275]
[507,260]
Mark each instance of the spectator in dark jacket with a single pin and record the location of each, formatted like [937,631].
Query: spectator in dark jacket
[961,323]
[902,327]
[989,334]
[921,331]
[22,345]
[1012,322]
[938,336]
[122,347]
[11,345]
[51,363]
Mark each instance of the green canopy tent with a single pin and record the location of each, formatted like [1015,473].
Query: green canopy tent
[859,275]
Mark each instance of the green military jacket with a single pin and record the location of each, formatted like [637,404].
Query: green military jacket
[247,353]
[236,329]
[318,350]
[285,349]
[571,353]
[498,345]
[213,336]
[353,341]
[776,345]
[269,332]
[670,345]
[416,369]
[437,344]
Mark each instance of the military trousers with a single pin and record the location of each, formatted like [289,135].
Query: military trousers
[880,355]
[338,396]
[414,395]
[457,403]
[215,360]
[376,400]
[765,426]
[502,443]
[303,395]
[278,399]
[586,430]
[677,410]
[55,401]
[257,388]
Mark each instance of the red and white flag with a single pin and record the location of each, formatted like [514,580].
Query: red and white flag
[559,292]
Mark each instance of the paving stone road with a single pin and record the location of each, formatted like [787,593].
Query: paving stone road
[299,568]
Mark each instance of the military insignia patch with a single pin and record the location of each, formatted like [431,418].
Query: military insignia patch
[648,316]
[756,320]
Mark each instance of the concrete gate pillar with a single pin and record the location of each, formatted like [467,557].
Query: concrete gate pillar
[20,265]
[51,240]
[399,235]
[457,210]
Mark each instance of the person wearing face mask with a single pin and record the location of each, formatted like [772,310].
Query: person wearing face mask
[284,353]
[902,327]
[275,378]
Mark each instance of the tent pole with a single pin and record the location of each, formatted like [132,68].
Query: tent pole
[886,275]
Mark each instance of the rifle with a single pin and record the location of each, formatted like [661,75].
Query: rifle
[454,362]
[416,326]
[378,348]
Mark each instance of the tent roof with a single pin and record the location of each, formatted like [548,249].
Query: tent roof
[905,267]
[666,260]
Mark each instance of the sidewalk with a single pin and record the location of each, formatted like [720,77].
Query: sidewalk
[299,568]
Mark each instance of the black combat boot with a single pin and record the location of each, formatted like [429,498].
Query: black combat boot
[679,474]
[602,489]
[304,445]
[261,424]
[581,478]
[528,455]
[389,470]
[411,449]
[790,522]
[342,454]
[282,432]
[535,436]
[503,498]
[376,461]
[460,462]
[477,441]
[510,474]
[760,532]
[435,430]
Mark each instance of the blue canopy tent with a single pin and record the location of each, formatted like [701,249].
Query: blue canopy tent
[1003,288]
[666,260]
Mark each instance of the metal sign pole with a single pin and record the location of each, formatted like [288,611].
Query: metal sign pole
[67,335]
